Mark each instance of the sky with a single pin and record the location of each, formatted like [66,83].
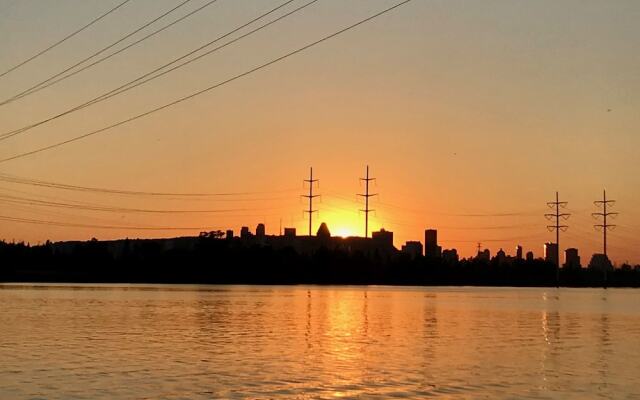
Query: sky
[471,115]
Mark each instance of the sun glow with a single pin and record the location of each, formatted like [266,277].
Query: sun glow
[345,231]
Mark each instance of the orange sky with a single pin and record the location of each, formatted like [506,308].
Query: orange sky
[458,107]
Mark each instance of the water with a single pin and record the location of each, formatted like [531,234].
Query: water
[110,341]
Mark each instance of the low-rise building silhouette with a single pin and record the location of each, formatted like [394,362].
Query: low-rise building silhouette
[484,255]
[530,256]
[450,256]
[382,238]
[600,262]
[413,249]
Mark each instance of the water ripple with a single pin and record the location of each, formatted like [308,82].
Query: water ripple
[163,341]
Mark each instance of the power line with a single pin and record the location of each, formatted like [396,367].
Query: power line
[478,214]
[55,212]
[49,213]
[36,87]
[78,188]
[64,39]
[200,92]
[310,197]
[125,227]
[64,77]
[105,221]
[499,240]
[430,212]
[366,195]
[98,207]
[147,77]
[397,222]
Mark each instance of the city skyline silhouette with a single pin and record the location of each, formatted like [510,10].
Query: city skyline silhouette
[309,184]
[470,121]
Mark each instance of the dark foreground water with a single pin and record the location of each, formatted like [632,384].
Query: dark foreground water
[114,341]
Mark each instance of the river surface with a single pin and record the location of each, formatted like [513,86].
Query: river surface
[164,341]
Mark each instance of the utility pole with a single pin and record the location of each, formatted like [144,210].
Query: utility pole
[366,196]
[479,247]
[310,196]
[604,203]
[557,215]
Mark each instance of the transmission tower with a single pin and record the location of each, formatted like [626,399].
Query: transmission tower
[366,196]
[604,203]
[557,216]
[310,196]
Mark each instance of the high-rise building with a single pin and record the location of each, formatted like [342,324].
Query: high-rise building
[530,256]
[431,248]
[244,232]
[551,252]
[413,249]
[229,234]
[260,231]
[571,258]
[518,252]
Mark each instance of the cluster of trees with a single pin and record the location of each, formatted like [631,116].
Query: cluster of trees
[210,259]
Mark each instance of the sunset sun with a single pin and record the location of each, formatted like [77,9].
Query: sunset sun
[345,231]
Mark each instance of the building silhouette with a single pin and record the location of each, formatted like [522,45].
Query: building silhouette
[431,248]
[571,258]
[484,255]
[288,258]
[600,262]
[323,231]
[551,252]
[530,256]
[518,252]
[501,257]
[413,249]
[382,238]
[450,256]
